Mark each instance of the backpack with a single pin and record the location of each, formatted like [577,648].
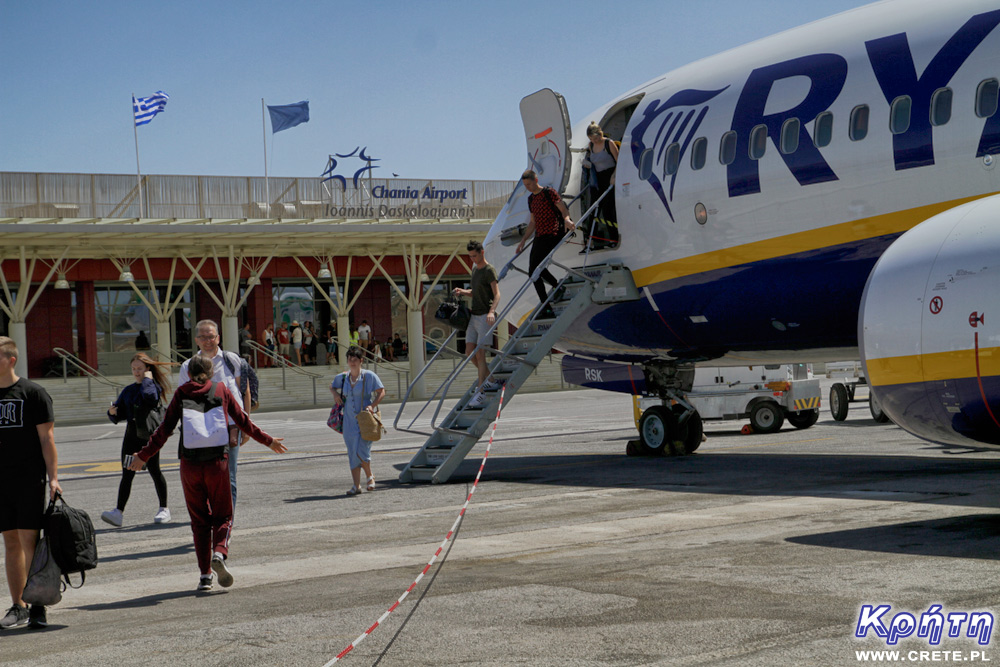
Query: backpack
[71,539]
[247,376]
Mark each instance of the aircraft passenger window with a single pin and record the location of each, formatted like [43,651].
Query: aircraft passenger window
[727,148]
[858,129]
[941,106]
[646,164]
[899,114]
[987,96]
[823,129]
[673,160]
[758,142]
[699,153]
[790,135]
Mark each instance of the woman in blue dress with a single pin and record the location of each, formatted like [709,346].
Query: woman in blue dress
[357,390]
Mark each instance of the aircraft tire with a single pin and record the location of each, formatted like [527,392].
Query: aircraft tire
[656,429]
[688,435]
[839,402]
[766,417]
[803,419]
[877,413]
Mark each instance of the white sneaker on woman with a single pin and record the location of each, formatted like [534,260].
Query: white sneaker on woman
[163,516]
[114,517]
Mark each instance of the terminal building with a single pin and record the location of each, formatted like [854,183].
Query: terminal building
[91,263]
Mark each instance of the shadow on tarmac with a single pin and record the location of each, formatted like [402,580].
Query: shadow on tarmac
[145,601]
[173,551]
[970,536]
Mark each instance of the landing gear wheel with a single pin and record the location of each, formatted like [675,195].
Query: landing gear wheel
[766,417]
[876,409]
[803,419]
[687,437]
[656,429]
[839,402]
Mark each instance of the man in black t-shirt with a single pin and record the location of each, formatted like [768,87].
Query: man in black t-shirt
[27,456]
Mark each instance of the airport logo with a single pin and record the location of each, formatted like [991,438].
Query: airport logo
[331,166]
[932,625]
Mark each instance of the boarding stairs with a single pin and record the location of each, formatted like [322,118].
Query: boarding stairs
[453,438]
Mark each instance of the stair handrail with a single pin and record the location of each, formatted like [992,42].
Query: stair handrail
[401,373]
[68,358]
[409,388]
[174,355]
[283,364]
[501,317]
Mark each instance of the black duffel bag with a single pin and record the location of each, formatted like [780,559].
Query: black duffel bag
[455,313]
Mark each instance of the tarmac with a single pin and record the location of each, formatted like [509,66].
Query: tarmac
[756,550]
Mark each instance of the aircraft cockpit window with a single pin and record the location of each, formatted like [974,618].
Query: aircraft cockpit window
[858,128]
[673,160]
[699,153]
[941,106]
[727,148]
[790,136]
[987,96]
[899,114]
[823,129]
[758,142]
[646,164]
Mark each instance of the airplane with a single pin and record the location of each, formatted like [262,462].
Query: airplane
[820,194]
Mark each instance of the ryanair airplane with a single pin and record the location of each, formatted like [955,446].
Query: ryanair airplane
[812,196]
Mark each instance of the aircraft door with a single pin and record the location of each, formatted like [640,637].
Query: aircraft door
[547,133]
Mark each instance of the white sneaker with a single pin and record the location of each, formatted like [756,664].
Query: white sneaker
[478,400]
[222,573]
[114,517]
[163,516]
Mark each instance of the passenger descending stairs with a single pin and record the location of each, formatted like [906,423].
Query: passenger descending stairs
[458,433]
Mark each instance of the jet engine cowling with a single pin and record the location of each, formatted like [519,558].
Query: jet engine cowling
[929,327]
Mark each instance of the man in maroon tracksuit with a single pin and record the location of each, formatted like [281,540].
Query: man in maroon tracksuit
[202,405]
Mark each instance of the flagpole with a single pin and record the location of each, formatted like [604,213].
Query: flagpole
[267,186]
[138,172]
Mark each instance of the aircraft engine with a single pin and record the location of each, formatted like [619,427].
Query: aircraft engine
[929,327]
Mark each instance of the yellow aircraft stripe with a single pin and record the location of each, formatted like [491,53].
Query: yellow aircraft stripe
[846,232]
[952,365]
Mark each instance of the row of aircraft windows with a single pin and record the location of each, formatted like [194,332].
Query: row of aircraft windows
[987,98]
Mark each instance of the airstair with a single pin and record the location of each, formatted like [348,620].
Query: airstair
[453,438]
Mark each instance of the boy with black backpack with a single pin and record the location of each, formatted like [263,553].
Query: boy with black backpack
[27,456]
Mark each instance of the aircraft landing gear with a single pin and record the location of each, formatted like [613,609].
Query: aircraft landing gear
[673,428]
[670,431]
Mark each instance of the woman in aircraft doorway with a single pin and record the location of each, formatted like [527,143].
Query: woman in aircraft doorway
[600,163]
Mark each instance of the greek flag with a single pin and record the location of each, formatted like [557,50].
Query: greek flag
[147,107]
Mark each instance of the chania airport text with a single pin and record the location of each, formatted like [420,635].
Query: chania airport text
[430,202]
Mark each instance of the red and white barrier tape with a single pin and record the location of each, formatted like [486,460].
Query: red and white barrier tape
[437,553]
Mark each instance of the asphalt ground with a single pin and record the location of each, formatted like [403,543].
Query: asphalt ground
[757,550]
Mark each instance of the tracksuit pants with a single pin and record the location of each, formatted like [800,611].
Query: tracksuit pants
[210,503]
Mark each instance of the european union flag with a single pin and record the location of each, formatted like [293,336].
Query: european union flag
[285,116]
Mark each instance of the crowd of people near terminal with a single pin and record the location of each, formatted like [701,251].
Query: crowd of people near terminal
[210,409]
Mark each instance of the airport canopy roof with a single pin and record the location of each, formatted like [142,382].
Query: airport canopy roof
[99,238]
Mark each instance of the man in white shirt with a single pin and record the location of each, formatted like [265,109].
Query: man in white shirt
[297,341]
[365,335]
[207,337]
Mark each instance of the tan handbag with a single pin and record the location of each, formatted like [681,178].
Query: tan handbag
[371,425]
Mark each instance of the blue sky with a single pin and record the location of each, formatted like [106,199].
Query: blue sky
[430,87]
